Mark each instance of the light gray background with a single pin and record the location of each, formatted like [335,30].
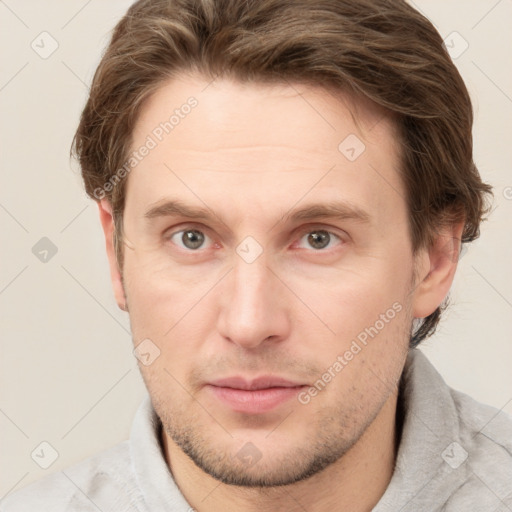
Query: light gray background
[68,376]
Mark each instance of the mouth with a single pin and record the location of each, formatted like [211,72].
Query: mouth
[254,396]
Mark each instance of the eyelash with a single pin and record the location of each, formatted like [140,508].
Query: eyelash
[300,234]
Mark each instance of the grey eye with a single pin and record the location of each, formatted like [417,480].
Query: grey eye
[320,238]
[190,238]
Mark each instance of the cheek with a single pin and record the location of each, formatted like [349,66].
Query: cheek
[351,298]
[169,313]
[369,311]
[165,301]
[371,322]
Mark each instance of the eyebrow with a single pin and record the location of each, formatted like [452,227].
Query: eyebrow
[328,210]
[331,209]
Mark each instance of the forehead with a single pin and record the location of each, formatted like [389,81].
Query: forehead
[275,113]
[254,140]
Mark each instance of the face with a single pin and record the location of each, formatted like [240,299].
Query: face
[267,243]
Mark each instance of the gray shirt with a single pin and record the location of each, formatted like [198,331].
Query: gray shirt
[455,454]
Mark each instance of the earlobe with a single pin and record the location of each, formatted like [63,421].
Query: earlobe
[437,267]
[107,223]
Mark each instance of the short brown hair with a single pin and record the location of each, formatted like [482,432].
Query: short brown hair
[382,49]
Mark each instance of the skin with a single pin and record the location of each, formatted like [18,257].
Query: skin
[251,154]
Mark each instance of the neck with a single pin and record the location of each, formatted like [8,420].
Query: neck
[354,482]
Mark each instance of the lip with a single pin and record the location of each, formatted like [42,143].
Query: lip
[255,396]
[263,382]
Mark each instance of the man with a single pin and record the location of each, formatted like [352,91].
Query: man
[284,187]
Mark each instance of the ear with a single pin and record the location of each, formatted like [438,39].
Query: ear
[436,268]
[107,223]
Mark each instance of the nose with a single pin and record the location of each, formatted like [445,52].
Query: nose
[254,307]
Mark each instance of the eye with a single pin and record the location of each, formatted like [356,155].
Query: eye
[191,239]
[319,239]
